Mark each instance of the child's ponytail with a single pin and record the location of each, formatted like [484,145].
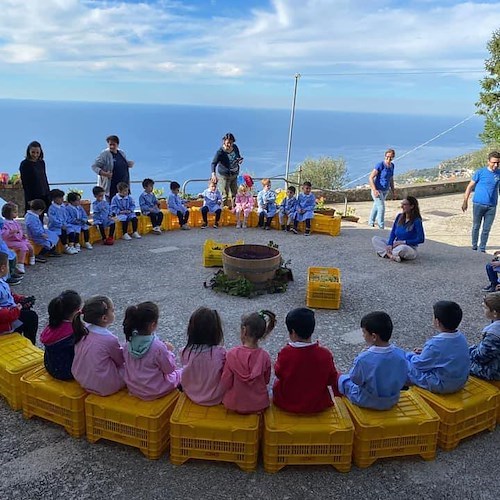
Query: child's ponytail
[92,312]
[139,318]
[63,306]
[259,324]
[79,329]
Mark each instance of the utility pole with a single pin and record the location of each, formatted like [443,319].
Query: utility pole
[290,130]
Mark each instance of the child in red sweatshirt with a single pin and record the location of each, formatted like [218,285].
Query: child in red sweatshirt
[304,369]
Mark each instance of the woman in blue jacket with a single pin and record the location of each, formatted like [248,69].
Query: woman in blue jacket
[406,234]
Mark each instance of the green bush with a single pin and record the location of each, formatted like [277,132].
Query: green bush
[323,173]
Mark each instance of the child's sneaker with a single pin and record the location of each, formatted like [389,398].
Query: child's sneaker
[32,260]
[238,225]
[293,230]
[20,268]
[126,237]
[216,225]
[283,227]
[109,241]
[307,232]
[39,259]
[156,230]
[136,235]
[88,246]
[185,227]
[78,247]
[204,225]
[70,250]
[244,225]
[267,228]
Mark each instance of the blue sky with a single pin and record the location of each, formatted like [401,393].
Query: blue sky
[414,56]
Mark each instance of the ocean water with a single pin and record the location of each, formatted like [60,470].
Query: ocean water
[178,142]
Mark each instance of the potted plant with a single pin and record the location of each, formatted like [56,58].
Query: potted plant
[193,201]
[349,215]
[322,209]
[159,193]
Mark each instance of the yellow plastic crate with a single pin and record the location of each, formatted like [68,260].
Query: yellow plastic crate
[212,252]
[128,420]
[228,217]
[213,433]
[322,438]
[496,384]
[144,224]
[6,338]
[195,218]
[58,401]
[322,293]
[409,428]
[17,356]
[326,225]
[464,413]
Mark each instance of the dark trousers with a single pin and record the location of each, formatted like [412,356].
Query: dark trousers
[308,224]
[268,221]
[183,217]
[103,232]
[156,218]
[204,214]
[30,324]
[66,237]
[134,225]
[86,235]
[492,274]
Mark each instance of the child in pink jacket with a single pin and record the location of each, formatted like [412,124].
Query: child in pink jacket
[203,358]
[243,205]
[150,370]
[98,362]
[248,367]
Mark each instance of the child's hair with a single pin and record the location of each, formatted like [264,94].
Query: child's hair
[113,138]
[492,301]
[97,190]
[448,313]
[291,189]
[92,311]
[63,306]
[266,181]
[147,182]
[37,204]
[138,318]
[55,193]
[306,184]
[72,197]
[212,183]
[34,144]
[379,323]
[204,329]
[121,186]
[243,188]
[301,321]
[174,185]
[8,209]
[259,324]
[4,259]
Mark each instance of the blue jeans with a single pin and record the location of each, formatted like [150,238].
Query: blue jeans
[492,274]
[378,210]
[486,215]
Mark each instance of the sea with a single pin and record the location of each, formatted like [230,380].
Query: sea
[178,142]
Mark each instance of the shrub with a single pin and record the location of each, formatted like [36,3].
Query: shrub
[323,173]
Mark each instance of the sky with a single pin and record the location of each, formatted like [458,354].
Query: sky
[413,56]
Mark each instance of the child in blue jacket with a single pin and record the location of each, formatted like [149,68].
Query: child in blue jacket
[306,201]
[443,365]
[78,220]
[176,205]
[46,238]
[212,202]
[102,216]
[288,209]
[378,373]
[150,205]
[58,222]
[123,207]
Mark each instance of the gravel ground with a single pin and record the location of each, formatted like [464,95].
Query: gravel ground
[39,460]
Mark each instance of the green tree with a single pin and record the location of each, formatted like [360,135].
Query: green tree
[323,173]
[489,98]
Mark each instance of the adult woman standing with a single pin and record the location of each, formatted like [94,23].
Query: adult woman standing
[406,234]
[228,160]
[381,180]
[34,175]
[112,167]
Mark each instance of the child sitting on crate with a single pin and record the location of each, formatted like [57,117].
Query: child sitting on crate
[123,207]
[58,222]
[150,205]
[212,202]
[176,205]
[243,205]
[14,237]
[288,209]
[443,365]
[38,234]
[304,369]
[378,373]
[485,356]
[15,310]
[306,202]
[266,205]
[101,213]
[78,220]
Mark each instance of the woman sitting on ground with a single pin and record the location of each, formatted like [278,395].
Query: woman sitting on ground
[406,234]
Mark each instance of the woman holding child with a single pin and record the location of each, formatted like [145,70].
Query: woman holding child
[406,234]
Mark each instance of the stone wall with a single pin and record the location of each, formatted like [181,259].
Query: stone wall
[417,190]
[14,194]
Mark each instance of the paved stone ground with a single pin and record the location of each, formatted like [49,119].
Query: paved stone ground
[39,460]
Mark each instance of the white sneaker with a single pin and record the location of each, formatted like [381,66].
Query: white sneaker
[126,237]
[136,235]
[20,268]
[70,250]
[186,227]
[32,261]
[156,230]
[78,247]
[244,225]
[238,225]
[88,246]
